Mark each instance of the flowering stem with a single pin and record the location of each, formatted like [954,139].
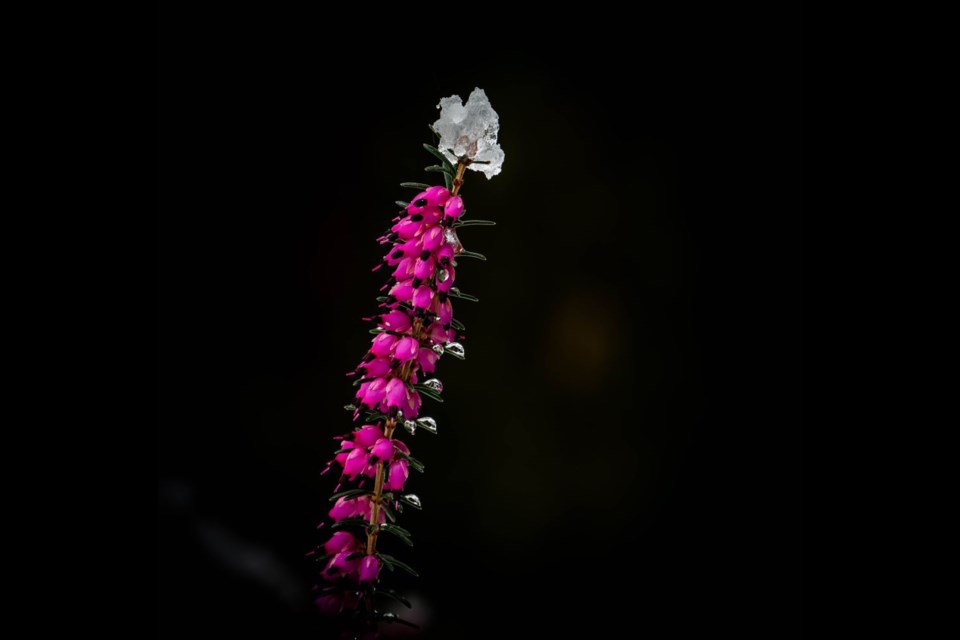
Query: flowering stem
[388,429]
[391,423]
[414,329]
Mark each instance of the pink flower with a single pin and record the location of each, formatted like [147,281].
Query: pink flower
[445,255]
[402,291]
[444,310]
[396,392]
[382,450]
[409,227]
[396,320]
[375,368]
[341,541]
[369,569]
[424,269]
[397,475]
[360,507]
[454,207]
[383,344]
[422,297]
[427,359]
[404,270]
[339,565]
[356,463]
[366,435]
[432,238]
[372,393]
[330,604]
[447,282]
[406,349]
[411,408]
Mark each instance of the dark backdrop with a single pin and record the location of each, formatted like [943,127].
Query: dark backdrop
[622,445]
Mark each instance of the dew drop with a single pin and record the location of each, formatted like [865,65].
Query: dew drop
[434,384]
[410,426]
[451,238]
[428,424]
[455,349]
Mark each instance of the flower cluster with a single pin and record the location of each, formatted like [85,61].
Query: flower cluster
[414,328]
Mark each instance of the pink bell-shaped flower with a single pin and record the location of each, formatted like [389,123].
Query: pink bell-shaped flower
[341,541]
[454,207]
[427,359]
[367,435]
[422,297]
[382,450]
[369,570]
[406,349]
[397,476]
[383,344]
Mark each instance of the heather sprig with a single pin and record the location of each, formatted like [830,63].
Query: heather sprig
[414,329]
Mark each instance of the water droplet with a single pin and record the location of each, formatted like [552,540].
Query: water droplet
[442,275]
[455,349]
[413,499]
[438,349]
[410,426]
[434,384]
[451,238]
[428,424]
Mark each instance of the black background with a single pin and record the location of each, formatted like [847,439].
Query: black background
[621,447]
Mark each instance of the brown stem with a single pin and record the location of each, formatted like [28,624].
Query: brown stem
[388,429]
[458,179]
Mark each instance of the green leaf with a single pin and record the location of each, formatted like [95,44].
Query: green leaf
[399,532]
[350,407]
[415,464]
[376,330]
[439,156]
[393,562]
[395,528]
[430,393]
[437,169]
[471,254]
[386,510]
[474,223]
[351,522]
[456,324]
[419,186]
[389,616]
[456,293]
[402,204]
[448,181]
[348,493]
[390,593]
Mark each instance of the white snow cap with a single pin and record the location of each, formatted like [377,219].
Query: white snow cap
[470,130]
